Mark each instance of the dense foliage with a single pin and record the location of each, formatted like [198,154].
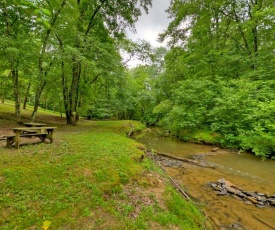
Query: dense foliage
[216,78]
[65,45]
[221,71]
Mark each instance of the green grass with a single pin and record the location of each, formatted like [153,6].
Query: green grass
[91,177]
[200,136]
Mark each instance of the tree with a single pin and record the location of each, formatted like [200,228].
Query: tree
[16,24]
[49,18]
[218,72]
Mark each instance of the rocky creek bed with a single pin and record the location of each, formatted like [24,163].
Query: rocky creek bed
[202,165]
[221,186]
[259,199]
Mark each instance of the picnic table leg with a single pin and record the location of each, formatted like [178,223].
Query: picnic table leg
[10,141]
[17,140]
[50,136]
[43,139]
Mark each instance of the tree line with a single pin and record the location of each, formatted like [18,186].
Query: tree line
[219,73]
[61,47]
[216,76]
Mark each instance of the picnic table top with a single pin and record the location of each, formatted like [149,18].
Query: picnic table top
[33,124]
[33,128]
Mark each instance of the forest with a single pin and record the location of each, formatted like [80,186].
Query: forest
[213,83]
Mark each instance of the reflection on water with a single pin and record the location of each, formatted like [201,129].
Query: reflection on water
[244,170]
[153,141]
[247,165]
[244,164]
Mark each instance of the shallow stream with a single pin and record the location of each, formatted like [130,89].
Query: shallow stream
[243,170]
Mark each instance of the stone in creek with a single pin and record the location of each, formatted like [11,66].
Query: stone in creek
[237,197]
[221,181]
[260,206]
[261,198]
[241,194]
[248,202]
[232,190]
[252,194]
[218,188]
[215,150]
[167,164]
[237,226]
[273,203]
[270,200]
[222,193]
[260,194]
[261,203]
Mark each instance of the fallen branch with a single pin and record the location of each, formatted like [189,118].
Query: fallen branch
[186,160]
[170,178]
[263,221]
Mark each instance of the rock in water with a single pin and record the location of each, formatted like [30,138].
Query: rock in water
[261,198]
[221,181]
[260,194]
[222,193]
[215,150]
[240,194]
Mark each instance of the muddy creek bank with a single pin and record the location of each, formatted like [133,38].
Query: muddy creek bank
[243,170]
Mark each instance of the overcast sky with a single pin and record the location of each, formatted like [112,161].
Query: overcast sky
[150,25]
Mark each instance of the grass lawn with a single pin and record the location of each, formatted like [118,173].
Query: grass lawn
[91,177]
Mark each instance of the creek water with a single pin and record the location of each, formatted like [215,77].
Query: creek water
[244,170]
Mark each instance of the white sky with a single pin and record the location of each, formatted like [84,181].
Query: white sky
[150,25]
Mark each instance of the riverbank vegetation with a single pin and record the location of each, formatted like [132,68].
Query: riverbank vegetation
[92,177]
[214,83]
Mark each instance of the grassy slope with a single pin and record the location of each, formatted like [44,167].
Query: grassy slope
[91,177]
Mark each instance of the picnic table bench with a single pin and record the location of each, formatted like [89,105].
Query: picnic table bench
[41,132]
[33,124]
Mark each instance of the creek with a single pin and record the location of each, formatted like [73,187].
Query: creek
[242,169]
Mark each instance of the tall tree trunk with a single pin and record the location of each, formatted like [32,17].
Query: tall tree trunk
[37,99]
[3,94]
[14,65]
[26,95]
[43,72]
[74,94]
[60,106]
[46,104]
[65,90]
[65,96]
[15,77]
[73,99]
[254,31]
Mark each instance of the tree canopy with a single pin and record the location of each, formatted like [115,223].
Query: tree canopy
[215,76]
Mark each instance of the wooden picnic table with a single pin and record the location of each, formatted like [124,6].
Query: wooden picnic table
[33,124]
[41,132]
